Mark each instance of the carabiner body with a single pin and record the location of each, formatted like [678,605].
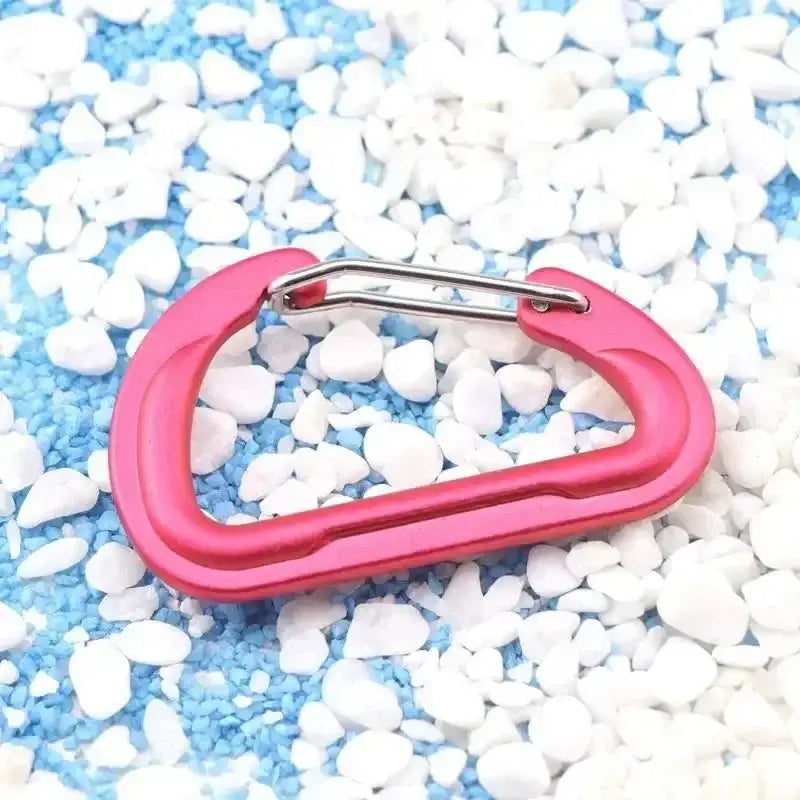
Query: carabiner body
[152,483]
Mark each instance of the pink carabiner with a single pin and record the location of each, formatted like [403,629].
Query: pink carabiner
[152,483]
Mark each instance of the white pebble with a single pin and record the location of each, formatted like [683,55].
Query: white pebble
[152,642]
[101,677]
[476,401]
[351,352]
[121,101]
[82,346]
[264,473]
[245,392]
[42,42]
[291,57]
[405,455]
[129,605]
[525,388]
[114,568]
[12,628]
[6,414]
[764,33]
[513,771]
[21,462]
[548,574]
[164,733]
[212,441]
[595,396]
[410,370]
[558,671]
[674,99]
[174,82]
[749,457]
[592,643]
[318,725]
[637,547]
[310,423]
[281,347]
[112,748]
[220,19]
[452,698]
[373,757]
[223,79]
[58,493]
[248,149]
[289,498]
[774,600]
[56,556]
[768,78]
[681,672]
[80,132]
[378,237]
[617,583]
[685,19]
[684,307]
[756,149]
[303,653]
[563,730]
[751,718]
[598,25]
[266,26]
[651,238]
[153,260]
[446,764]
[533,36]
[585,558]
[120,302]
[385,629]
[216,222]
[97,469]
[698,601]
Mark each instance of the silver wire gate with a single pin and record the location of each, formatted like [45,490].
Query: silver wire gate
[542,296]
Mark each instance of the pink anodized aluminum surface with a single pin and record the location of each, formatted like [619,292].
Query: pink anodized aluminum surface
[152,484]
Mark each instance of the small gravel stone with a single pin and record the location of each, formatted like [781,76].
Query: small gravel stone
[681,672]
[58,493]
[513,771]
[56,556]
[152,642]
[563,730]
[373,757]
[21,462]
[585,558]
[101,677]
[548,574]
[385,629]
[164,733]
[771,535]
[410,370]
[213,439]
[774,600]
[114,568]
[351,352]
[698,601]
[452,698]
[82,346]
[303,653]
[404,454]
[246,392]
[12,628]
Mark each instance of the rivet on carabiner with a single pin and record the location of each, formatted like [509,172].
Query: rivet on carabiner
[151,434]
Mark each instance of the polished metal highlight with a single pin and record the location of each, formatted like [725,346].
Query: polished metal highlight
[542,296]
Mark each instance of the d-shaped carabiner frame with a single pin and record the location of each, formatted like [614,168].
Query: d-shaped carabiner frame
[152,482]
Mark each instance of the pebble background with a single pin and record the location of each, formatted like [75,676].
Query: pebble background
[654,151]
